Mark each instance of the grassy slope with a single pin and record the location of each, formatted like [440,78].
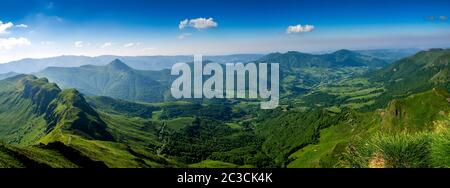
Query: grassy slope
[417,113]
[123,134]
[23,102]
[60,129]
[213,164]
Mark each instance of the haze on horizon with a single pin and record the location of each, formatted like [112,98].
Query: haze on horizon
[47,28]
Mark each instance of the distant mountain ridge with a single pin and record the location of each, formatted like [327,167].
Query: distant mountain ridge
[340,58]
[119,80]
[390,55]
[301,72]
[7,75]
[137,62]
[30,65]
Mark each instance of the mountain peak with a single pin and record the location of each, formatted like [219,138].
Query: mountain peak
[344,52]
[70,112]
[117,64]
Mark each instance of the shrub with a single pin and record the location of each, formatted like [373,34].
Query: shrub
[440,150]
[401,150]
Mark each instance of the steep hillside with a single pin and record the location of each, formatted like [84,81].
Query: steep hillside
[406,128]
[417,112]
[44,126]
[31,108]
[70,112]
[23,103]
[418,73]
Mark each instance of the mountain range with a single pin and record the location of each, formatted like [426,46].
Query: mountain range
[118,80]
[340,58]
[115,79]
[163,62]
[390,55]
[342,109]
[137,62]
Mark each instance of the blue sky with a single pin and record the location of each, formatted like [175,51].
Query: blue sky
[43,28]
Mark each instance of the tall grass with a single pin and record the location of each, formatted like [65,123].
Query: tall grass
[440,150]
[400,150]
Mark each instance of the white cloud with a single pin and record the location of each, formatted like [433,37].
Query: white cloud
[128,45]
[10,43]
[202,23]
[107,44]
[22,26]
[299,29]
[183,24]
[4,27]
[184,35]
[198,23]
[79,44]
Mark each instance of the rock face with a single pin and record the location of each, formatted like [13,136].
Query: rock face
[416,111]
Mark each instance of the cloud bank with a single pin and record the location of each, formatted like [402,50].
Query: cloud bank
[10,43]
[4,27]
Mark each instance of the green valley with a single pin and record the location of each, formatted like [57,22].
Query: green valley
[343,109]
